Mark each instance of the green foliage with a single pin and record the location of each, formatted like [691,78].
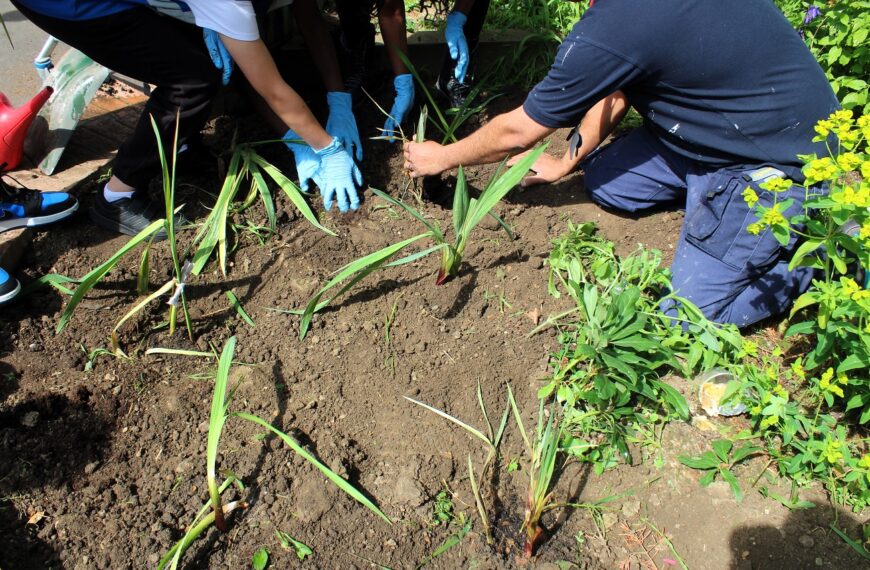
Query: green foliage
[812,410]
[720,462]
[287,542]
[260,559]
[838,39]
[616,344]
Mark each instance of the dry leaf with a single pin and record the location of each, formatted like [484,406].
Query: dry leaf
[36,517]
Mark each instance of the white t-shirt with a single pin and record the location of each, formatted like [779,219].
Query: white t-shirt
[232,18]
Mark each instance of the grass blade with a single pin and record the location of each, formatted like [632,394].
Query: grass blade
[519,420]
[216,421]
[139,306]
[331,475]
[265,194]
[460,423]
[213,232]
[178,352]
[434,229]
[97,274]
[460,201]
[234,302]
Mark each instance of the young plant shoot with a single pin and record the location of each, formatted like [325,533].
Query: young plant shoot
[467,214]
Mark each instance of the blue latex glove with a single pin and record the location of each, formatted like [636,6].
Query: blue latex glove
[341,122]
[219,54]
[307,161]
[404,85]
[456,43]
[336,177]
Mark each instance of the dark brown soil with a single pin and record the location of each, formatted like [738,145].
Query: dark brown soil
[102,461]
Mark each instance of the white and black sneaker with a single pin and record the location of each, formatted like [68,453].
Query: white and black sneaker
[20,207]
[9,287]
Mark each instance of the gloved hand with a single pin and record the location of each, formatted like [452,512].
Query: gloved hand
[404,85]
[336,177]
[218,53]
[307,161]
[456,43]
[341,122]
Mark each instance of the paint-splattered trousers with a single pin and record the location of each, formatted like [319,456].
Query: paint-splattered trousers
[732,275]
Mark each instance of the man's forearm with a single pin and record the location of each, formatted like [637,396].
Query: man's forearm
[506,134]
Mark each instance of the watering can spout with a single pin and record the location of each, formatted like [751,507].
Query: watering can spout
[14,124]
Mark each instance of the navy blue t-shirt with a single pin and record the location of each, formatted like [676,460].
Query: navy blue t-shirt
[723,82]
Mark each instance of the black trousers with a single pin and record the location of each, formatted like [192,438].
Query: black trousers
[160,50]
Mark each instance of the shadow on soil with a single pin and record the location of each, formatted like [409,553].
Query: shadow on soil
[36,451]
[804,541]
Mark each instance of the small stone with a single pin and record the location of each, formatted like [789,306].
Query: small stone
[806,541]
[91,467]
[609,519]
[631,508]
[30,419]
[819,561]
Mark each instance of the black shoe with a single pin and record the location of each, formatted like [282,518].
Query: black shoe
[9,287]
[455,91]
[20,207]
[130,215]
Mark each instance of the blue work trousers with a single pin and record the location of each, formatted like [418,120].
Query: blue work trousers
[732,275]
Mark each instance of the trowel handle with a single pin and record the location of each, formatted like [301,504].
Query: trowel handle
[42,63]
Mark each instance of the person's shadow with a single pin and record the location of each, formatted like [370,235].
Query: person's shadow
[805,540]
[36,452]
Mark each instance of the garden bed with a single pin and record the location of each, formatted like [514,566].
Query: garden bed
[102,459]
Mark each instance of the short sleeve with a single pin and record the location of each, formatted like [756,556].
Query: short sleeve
[582,74]
[233,18]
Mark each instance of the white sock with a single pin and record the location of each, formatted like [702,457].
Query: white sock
[112,196]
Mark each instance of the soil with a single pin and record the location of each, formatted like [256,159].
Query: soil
[102,459]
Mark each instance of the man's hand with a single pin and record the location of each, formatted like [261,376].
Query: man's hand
[424,159]
[547,169]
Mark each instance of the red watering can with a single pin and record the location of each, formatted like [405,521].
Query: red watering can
[14,124]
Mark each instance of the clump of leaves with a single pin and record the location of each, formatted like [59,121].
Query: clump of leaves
[720,462]
[467,214]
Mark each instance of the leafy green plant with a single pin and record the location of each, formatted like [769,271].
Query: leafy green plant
[467,214]
[287,542]
[809,409]
[543,455]
[720,462]
[260,559]
[246,164]
[167,224]
[836,33]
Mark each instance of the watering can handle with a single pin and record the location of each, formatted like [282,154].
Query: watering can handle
[42,63]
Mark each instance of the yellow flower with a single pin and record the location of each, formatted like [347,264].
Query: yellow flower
[826,385]
[864,121]
[842,116]
[772,217]
[780,391]
[865,231]
[769,421]
[865,461]
[848,137]
[848,161]
[820,169]
[750,197]
[755,411]
[861,295]
[848,196]
[865,167]
[832,452]
[754,228]
[824,127]
[842,379]
[777,184]
[849,286]
[750,348]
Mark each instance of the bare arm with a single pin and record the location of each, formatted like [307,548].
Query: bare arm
[391,18]
[320,45]
[259,68]
[510,132]
[596,126]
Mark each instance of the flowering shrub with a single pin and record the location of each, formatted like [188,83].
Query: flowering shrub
[836,32]
[811,412]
